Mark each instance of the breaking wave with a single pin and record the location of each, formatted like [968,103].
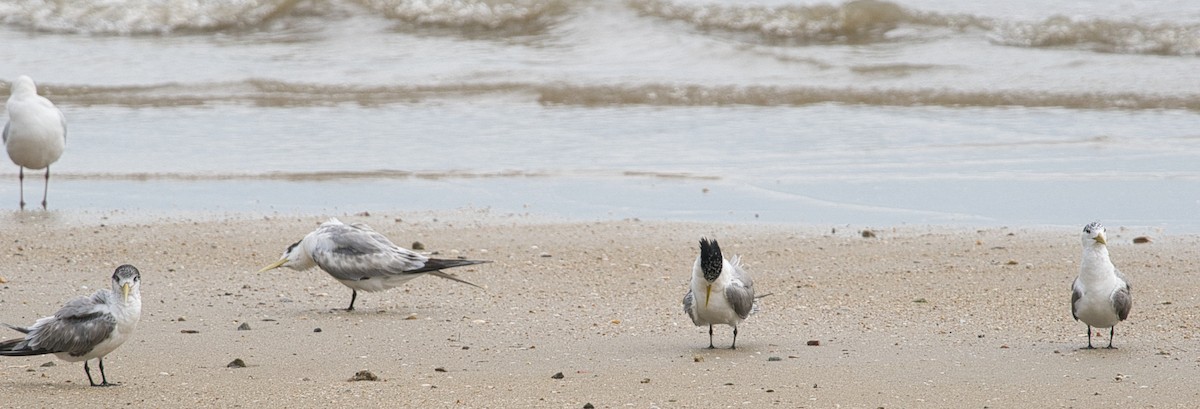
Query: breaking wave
[1101,35]
[851,22]
[141,17]
[270,93]
[504,15]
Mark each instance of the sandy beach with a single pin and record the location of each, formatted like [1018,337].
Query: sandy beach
[913,317]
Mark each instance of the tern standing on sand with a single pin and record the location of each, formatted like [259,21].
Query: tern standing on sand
[362,259]
[86,327]
[721,291]
[1100,296]
[35,134]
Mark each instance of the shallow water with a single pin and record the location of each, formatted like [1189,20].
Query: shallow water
[866,112]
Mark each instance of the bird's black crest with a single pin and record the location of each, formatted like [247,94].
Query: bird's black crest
[128,271]
[711,261]
[1093,227]
[289,249]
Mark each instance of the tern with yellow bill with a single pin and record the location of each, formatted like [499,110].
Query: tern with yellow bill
[362,259]
[86,327]
[721,291]
[1101,296]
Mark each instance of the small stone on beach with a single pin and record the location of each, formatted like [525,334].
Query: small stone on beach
[237,363]
[364,375]
[814,343]
[1141,240]
[418,245]
[244,327]
[557,376]
[316,329]
[774,359]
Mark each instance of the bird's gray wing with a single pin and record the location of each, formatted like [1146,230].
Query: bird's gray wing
[1076,294]
[739,272]
[740,292]
[741,298]
[688,300]
[354,253]
[1123,302]
[76,328]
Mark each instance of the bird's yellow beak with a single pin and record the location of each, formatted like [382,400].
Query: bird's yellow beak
[125,288]
[707,295]
[1101,239]
[274,265]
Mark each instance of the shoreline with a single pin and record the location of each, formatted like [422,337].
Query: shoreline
[911,317]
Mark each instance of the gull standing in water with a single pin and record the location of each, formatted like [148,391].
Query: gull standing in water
[86,327]
[1100,296]
[362,259]
[721,291]
[35,134]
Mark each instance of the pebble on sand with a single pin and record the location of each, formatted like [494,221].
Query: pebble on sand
[364,375]
[814,343]
[244,327]
[237,363]
[418,246]
[557,376]
[1136,240]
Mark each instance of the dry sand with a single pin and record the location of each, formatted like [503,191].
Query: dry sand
[914,317]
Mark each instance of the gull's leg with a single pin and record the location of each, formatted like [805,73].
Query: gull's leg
[21,182]
[1090,338]
[353,296]
[46,188]
[103,379]
[734,338]
[710,345]
[88,371]
[1111,331]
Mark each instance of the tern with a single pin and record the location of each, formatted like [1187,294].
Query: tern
[86,327]
[721,291]
[1100,296]
[362,259]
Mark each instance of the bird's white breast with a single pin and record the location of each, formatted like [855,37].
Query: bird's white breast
[718,310]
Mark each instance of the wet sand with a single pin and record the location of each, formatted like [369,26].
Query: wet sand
[913,317]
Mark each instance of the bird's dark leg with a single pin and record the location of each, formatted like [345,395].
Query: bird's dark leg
[21,182]
[88,371]
[46,188]
[1090,338]
[734,346]
[1111,332]
[353,296]
[103,379]
[710,344]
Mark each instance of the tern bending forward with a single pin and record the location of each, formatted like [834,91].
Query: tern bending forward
[362,259]
[721,291]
